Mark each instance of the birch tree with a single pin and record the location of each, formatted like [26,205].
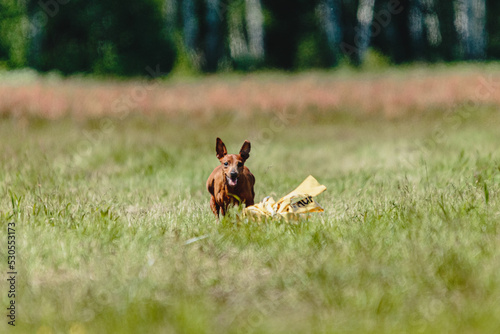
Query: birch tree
[363,33]
[246,31]
[255,28]
[329,12]
[477,48]
[238,46]
[423,26]
[470,22]
[416,27]
[432,24]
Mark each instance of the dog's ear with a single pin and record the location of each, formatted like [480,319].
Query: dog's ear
[220,148]
[245,150]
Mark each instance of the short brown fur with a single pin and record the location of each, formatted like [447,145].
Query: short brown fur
[231,180]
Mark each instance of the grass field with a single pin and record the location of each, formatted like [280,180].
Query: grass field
[106,207]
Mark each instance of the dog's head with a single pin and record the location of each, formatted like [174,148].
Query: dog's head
[232,164]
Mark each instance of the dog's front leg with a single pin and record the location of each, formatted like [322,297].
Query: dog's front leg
[214,206]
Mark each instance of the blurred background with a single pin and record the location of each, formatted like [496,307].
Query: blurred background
[123,38]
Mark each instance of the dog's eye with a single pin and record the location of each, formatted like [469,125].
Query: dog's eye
[226,163]
[240,164]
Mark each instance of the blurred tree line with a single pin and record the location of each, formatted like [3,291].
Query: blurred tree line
[125,37]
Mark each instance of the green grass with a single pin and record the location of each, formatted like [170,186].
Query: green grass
[409,241]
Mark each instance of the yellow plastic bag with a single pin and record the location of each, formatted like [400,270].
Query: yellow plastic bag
[299,201]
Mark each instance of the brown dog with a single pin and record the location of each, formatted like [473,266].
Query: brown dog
[231,181]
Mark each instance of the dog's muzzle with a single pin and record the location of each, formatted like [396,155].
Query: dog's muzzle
[232,180]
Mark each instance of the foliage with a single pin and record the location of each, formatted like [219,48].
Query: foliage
[13,41]
[124,37]
[107,37]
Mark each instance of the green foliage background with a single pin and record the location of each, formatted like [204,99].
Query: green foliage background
[123,37]
[101,37]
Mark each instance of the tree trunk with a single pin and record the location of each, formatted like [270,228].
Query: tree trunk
[212,41]
[363,33]
[416,26]
[36,32]
[237,43]
[470,23]
[170,7]
[190,26]
[462,25]
[255,28]
[330,18]
[424,27]
[432,23]
[477,48]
